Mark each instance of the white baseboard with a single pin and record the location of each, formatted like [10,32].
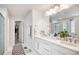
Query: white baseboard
[8,51]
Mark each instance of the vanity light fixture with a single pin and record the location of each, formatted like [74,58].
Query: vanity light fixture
[55,8]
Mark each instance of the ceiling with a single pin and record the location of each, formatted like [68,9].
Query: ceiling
[17,10]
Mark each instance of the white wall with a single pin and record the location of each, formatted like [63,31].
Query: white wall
[11,34]
[27,24]
[40,22]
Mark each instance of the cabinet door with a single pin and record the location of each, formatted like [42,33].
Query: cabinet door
[44,48]
[1,34]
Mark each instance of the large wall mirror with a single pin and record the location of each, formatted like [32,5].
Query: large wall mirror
[61,25]
[1,34]
[69,24]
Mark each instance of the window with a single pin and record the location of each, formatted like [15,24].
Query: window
[58,27]
[67,25]
[72,26]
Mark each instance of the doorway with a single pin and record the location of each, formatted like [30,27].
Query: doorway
[18,32]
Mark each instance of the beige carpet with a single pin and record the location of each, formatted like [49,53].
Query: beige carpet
[18,50]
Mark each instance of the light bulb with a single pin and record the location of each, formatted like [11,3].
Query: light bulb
[56,8]
[52,11]
[64,6]
[48,13]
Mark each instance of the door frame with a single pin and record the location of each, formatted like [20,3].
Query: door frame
[22,30]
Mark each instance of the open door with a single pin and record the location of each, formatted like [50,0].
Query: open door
[1,34]
[18,32]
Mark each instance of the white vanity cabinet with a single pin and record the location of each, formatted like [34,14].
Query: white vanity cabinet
[42,46]
[47,47]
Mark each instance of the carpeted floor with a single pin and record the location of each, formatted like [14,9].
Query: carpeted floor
[18,50]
